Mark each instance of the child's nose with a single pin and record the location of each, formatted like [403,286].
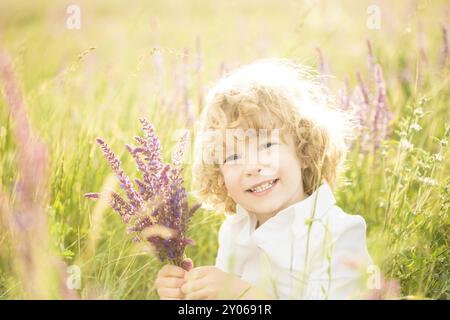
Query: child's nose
[253,169]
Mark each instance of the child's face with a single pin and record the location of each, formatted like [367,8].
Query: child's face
[264,178]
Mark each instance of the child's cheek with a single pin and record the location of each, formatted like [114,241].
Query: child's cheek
[232,180]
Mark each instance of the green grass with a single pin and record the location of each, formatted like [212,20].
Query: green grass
[98,81]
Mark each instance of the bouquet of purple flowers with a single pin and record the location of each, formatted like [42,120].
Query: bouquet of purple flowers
[160,203]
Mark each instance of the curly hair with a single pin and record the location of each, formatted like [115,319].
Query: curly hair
[272,94]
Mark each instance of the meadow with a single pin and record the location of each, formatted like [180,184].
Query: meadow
[62,87]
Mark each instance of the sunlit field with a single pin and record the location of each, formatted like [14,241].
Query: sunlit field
[63,85]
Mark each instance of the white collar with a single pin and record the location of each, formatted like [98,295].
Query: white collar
[296,215]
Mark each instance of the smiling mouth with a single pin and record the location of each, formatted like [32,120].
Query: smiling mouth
[263,187]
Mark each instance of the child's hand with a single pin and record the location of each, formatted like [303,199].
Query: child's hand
[170,279]
[208,283]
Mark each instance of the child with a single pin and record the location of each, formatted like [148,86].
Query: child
[269,150]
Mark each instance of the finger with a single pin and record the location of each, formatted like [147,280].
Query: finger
[170,293]
[203,294]
[171,271]
[194,285]
[187,264]
[197,273]
[170,282]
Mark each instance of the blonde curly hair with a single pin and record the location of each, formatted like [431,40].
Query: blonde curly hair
[272,94]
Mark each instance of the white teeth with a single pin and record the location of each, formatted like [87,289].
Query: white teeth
[263,187]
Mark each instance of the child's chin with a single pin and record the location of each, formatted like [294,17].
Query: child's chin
[268,211]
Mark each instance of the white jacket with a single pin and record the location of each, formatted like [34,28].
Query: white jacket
[275,257]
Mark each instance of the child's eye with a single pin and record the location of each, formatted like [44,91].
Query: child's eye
[269,144]
[231,158]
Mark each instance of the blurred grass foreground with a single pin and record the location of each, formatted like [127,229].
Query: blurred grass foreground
[71,72]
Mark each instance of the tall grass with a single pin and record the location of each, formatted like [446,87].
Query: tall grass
[156,60]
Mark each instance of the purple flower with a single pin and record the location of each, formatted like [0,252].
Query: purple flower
[135,200]
[322,67]
[382,116]
[445,49]
[371,58]
[370,104]
[344,95]
[161,199]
